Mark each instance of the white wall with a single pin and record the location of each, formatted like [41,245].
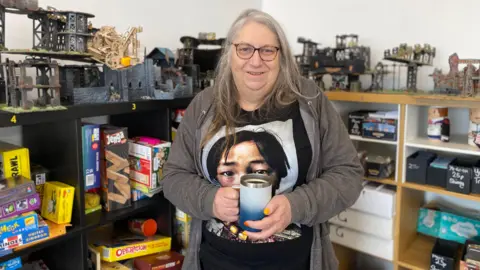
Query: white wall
[163,22]
[447,25]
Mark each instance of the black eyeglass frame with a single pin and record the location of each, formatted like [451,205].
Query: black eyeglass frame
[256,49]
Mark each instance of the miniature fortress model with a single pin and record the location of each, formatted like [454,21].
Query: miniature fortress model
[345,62]
[463,82]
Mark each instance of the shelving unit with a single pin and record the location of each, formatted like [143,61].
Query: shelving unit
[412,250]
[54,141]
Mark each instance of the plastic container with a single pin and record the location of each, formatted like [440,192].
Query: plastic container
[144,227]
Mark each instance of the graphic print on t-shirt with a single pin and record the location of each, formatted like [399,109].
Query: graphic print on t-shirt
[267,148]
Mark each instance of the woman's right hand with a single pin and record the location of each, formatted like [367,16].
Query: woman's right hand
[225,204]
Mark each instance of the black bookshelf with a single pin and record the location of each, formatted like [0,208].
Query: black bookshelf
[54,141]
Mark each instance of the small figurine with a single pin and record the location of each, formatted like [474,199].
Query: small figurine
[474,130]
[438,124]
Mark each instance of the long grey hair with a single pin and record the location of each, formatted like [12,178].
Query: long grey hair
[285,89]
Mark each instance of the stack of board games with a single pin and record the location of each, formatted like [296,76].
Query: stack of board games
[147,157]
[19,223]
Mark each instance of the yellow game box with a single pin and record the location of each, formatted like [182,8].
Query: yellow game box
[57,202]
[14,160]
[121,249]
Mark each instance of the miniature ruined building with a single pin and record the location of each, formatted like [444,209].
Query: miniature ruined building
[456,81]
[46,83]
[127,84]
[309,50]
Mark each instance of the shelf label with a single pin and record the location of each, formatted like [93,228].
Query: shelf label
[459,179]
[476,180]
[134,106]
[13,119]
[438,262]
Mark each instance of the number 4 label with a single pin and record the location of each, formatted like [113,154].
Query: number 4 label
[13,119]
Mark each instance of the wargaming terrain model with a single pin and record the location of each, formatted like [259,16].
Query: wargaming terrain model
[345,62]
[110,70]
[200,63]
[463,82]
[413,57]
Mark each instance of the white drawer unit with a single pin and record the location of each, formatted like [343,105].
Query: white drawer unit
[376,199]
[365,223]
[362,242]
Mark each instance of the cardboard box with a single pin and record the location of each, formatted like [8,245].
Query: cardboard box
[57,202]
[447,226]
[13,226]
[444,255]
[17,241]
[437,171]
[17,204]
[122,249]
[14,160]
[115,169]
[165,260]
[91,155]
[146,163]
[355,121]
[417,166]
[182,229]
[459,177]
[476,178]
[13,264]
[380,128]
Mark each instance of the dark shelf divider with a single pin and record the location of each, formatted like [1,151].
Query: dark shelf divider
[57,147]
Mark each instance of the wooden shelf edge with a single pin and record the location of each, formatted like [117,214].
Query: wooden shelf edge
[417,255]
[404,98]
[441,191]
[363,139]
[388,181]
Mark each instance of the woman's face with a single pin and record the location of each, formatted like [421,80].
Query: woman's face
[255,74]
[242,158]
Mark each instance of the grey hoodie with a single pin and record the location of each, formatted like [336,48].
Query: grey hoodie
[334,177]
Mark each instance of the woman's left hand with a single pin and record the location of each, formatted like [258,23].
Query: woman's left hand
[278,217]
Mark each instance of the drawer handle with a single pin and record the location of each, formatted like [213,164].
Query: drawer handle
[339,234]
[342,220]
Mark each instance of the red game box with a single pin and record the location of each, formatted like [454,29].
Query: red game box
[164,260]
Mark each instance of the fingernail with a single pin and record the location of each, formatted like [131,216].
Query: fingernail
[245,223]
[266,211]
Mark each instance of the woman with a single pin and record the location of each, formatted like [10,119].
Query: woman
[261,117]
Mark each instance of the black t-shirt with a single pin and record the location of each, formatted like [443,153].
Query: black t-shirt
[276,144]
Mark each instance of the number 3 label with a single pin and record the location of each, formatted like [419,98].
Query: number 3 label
[134,106]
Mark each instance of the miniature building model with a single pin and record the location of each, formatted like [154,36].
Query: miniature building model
[309,50]
[46,83]
[414,57]
[345,62]
[463,82]
[200,63]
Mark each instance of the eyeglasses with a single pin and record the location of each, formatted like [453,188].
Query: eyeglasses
[246,51]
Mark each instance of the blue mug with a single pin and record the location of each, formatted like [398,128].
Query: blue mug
[255,193]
